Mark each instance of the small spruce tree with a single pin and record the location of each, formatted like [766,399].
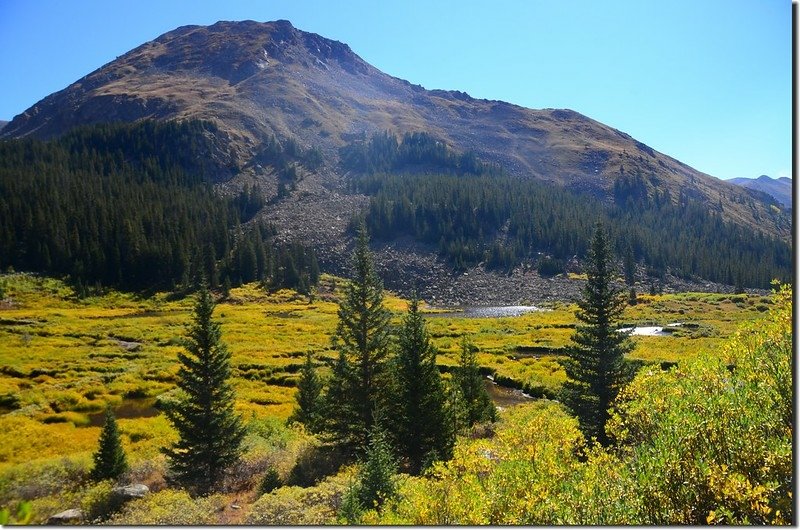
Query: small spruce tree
[376,477]
[109,460]
[309,397]
[595,366]
[210,431]
[477,404]
[420,421]
[375,482]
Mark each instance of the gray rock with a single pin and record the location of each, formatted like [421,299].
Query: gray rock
[73,516]
[131,491]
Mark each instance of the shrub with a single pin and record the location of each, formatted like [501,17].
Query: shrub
[551,266]
[270,481]
[316,462]
[99,502]
[22,514]
[711,440]
[512,478]
[170,507]
[292,505]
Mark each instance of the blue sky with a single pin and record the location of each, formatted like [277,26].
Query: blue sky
[705,81]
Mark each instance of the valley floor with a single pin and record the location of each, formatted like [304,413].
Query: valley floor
[63,359]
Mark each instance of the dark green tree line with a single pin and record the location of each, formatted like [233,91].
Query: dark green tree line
[133,206]
[480,215]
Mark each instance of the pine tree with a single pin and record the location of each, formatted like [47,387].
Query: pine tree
[362,337]
[109,460]
[376,477]
[420,423]
[375,482]
[210,431]
[595,370]
[477,404]
[629,266]
[339,414]
[309,395]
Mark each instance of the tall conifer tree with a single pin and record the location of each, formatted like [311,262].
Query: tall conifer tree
[109,460]
[362,338]
[309,397]
[210,431]
[595,369]
[420,422]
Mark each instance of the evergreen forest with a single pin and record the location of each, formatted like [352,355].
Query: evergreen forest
[133,206]
[473,213]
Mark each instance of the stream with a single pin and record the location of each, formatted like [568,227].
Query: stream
[485,311]
[128,409]
[503,396]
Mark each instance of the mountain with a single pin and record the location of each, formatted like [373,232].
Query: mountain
[780,189]
[268,84]
[3,123]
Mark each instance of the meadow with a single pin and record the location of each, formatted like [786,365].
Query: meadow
[63,359]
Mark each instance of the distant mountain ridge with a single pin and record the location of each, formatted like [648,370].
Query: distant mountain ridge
[780,188]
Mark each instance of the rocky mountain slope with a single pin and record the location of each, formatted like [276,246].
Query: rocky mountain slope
[257,81]
[260,79]
[780,189]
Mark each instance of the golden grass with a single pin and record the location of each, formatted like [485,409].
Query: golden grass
[62,358]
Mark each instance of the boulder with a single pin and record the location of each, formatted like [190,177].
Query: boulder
[131,491]
[73,516]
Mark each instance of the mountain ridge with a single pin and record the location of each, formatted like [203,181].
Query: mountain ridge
[225,71]
[780,188]
[261,81]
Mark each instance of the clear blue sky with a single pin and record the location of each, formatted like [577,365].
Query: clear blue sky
[705,81]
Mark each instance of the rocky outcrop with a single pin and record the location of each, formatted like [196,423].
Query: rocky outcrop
[131,492]
[71,516]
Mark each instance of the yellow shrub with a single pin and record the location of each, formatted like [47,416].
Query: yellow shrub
[170,507]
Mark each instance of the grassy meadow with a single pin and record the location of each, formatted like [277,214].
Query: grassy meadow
[64,359]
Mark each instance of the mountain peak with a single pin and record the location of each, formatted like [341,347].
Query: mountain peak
[780,188]
[258,81]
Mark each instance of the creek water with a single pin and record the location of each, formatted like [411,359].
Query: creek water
[653,331]
[128,409]
[485,311]
[503,396]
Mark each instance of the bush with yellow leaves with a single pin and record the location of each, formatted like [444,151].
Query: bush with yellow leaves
[710,441]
